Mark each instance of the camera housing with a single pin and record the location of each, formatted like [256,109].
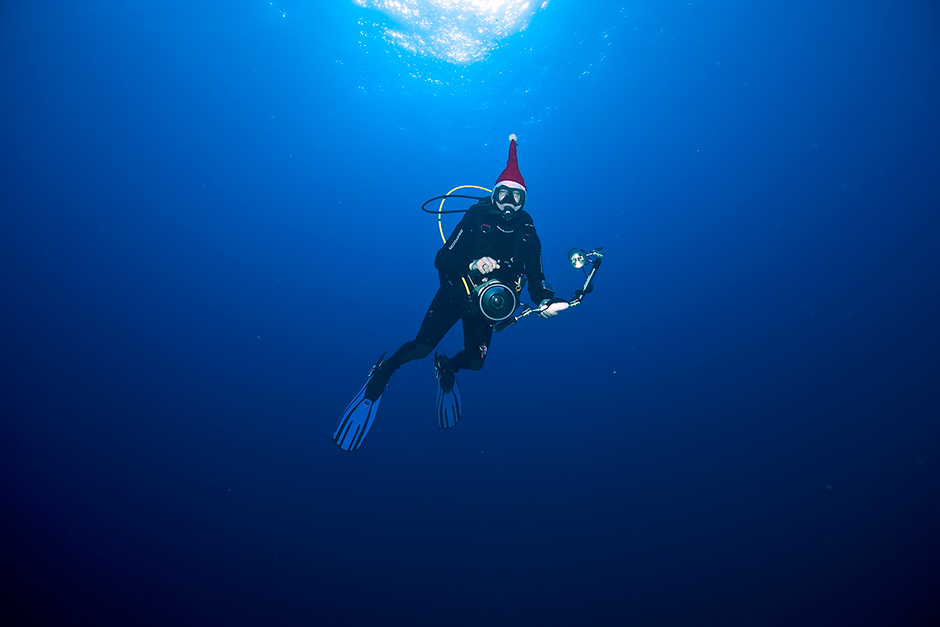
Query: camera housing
[495,300]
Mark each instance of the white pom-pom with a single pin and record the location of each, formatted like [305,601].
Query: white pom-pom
[513,138]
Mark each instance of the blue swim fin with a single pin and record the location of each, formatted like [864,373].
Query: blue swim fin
[358,417]
[449,403]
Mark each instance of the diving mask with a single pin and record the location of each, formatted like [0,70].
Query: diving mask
[509,198]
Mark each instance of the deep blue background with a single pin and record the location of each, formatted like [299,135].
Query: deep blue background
[211,230]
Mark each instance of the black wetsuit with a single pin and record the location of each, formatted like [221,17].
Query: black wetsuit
[481,233]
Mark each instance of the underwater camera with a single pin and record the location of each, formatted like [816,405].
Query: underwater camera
[496,301]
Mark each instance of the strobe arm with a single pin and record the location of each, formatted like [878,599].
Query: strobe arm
[578,258]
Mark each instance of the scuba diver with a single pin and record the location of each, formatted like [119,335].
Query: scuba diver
[482,266]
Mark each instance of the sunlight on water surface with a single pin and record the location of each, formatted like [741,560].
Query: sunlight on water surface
[457,31]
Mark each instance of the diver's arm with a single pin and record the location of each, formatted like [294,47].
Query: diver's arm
[453,258]
[539,289]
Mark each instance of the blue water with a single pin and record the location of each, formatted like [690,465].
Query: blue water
[211,230]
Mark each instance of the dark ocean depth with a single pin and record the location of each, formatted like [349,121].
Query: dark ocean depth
[211,229]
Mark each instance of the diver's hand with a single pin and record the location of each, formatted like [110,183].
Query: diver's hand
[484,265]
[551,306]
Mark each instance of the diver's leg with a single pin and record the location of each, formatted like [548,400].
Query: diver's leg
[477,335]
[442,314]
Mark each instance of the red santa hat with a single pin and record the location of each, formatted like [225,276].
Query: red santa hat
[511,177]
